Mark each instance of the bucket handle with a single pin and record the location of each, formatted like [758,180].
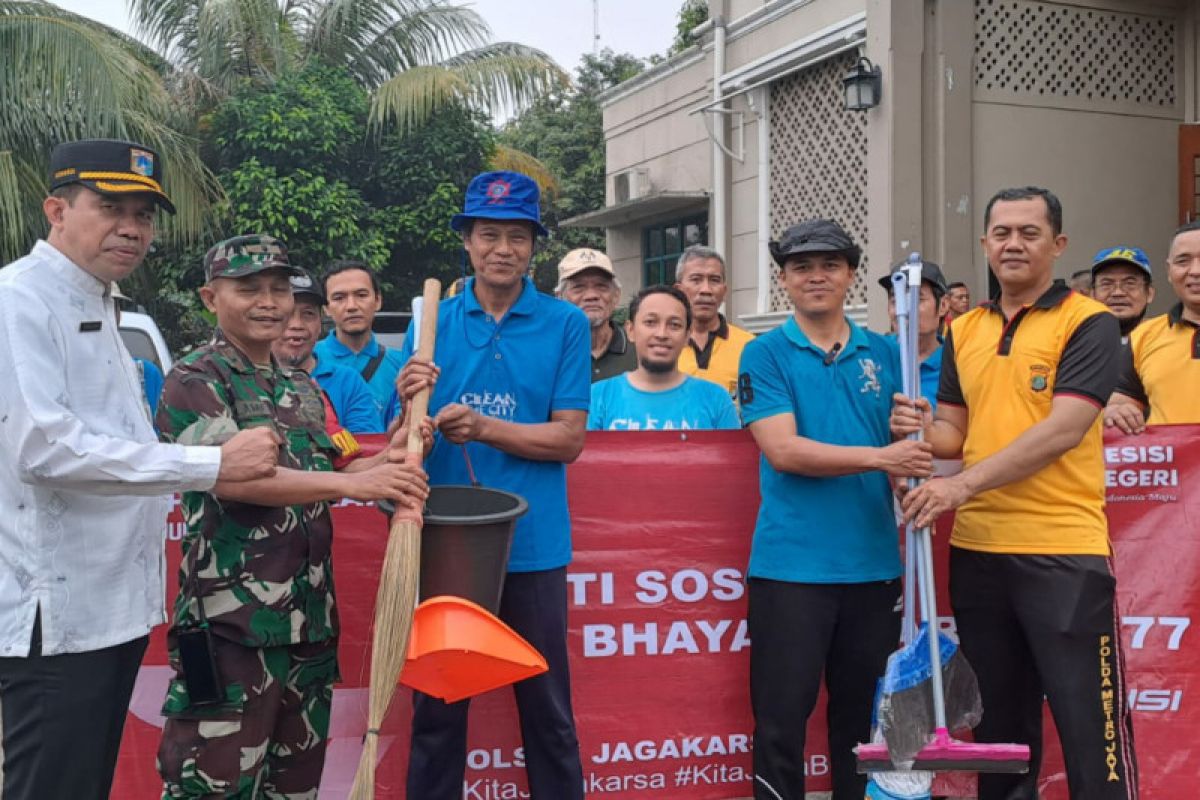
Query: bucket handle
[470,469]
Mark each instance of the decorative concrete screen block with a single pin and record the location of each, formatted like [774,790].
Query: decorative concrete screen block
[818,159]
[1052,54]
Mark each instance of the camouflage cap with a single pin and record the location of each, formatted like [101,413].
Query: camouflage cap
[247,255]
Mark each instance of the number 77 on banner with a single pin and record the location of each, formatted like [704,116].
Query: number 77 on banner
[1143,625]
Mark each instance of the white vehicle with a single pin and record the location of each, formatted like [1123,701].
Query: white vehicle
[144,340]
[389,328]
[138,330]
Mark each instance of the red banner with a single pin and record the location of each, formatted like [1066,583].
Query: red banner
[662,524]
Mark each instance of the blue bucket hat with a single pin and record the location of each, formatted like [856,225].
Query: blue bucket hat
[1134,256]
[501,195]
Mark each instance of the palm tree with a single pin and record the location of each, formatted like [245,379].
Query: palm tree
[66,77]
[413,56]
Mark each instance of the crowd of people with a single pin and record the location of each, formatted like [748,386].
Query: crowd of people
[257,429]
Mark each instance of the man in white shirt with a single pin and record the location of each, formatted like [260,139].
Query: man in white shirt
[85,486]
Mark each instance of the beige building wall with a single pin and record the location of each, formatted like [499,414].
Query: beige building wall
[647,125]
[977,96]
[1108,197]
[1100,130]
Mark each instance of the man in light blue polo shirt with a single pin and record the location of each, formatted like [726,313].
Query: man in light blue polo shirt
[352,299]
[657,396]
[824,589]
[930,311]
[512,393]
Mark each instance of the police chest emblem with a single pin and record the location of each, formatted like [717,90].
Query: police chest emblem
[1039,377]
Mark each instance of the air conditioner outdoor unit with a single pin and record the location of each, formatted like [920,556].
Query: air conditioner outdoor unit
[631,184]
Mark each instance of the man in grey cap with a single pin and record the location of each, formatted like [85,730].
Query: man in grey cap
[586,279]
[85,485]
[823,580]
[347,393]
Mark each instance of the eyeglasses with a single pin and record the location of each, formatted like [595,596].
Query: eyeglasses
[1127,285]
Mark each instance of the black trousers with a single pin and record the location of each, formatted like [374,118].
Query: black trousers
[1037,626]
[63,718]
[534,604]
[798,630]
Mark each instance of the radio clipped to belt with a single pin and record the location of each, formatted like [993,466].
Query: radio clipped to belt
[197,656]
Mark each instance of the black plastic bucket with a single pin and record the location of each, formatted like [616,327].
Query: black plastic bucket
[465,541]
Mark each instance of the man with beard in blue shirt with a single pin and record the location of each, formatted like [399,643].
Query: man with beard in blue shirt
[656,395]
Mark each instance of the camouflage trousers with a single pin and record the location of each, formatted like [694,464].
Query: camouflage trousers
[267,740]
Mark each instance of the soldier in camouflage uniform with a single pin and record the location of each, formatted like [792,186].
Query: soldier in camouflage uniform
[257,556]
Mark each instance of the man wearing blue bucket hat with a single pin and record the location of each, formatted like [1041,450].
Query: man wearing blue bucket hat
[510,399]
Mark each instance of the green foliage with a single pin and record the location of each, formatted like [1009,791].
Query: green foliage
[290,156]
[416,181]
[166,286]
[415,57]
[319,218]
[348,128]
[565,132]
[65,77]
[298,161]
[312,118]
[691,14]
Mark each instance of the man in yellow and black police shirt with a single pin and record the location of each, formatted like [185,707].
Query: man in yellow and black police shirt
[1159,379]
[714,346]
[1023,381]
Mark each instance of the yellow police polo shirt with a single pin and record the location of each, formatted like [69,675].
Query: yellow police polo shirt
[718,360]
[1161,368]
[1006,372]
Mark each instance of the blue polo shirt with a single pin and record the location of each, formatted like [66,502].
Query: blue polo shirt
[695,404]
[823,530]
[931,370]
[350,397]
[152,383]
[382,384]
[533,361]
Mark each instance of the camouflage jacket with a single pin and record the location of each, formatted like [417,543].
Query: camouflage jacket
[264,573]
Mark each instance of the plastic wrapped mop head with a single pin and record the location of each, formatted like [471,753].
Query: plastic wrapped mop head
[906,712]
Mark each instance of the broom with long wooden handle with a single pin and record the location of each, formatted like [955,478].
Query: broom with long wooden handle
[397,596]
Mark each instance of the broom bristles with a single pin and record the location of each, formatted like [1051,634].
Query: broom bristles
[395,603]
[364,778]
[396,598]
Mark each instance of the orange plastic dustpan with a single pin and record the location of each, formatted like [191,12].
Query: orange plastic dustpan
[458,650]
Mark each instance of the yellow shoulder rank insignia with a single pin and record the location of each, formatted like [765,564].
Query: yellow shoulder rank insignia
[347,445]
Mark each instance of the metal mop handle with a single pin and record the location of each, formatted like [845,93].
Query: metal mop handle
[903,306]
[906,289]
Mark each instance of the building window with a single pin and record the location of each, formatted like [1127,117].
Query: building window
[662,244]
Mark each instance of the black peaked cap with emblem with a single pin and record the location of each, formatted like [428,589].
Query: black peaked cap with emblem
[815,236]
[110,167]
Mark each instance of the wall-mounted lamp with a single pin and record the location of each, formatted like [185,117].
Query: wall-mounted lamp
[863,86]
